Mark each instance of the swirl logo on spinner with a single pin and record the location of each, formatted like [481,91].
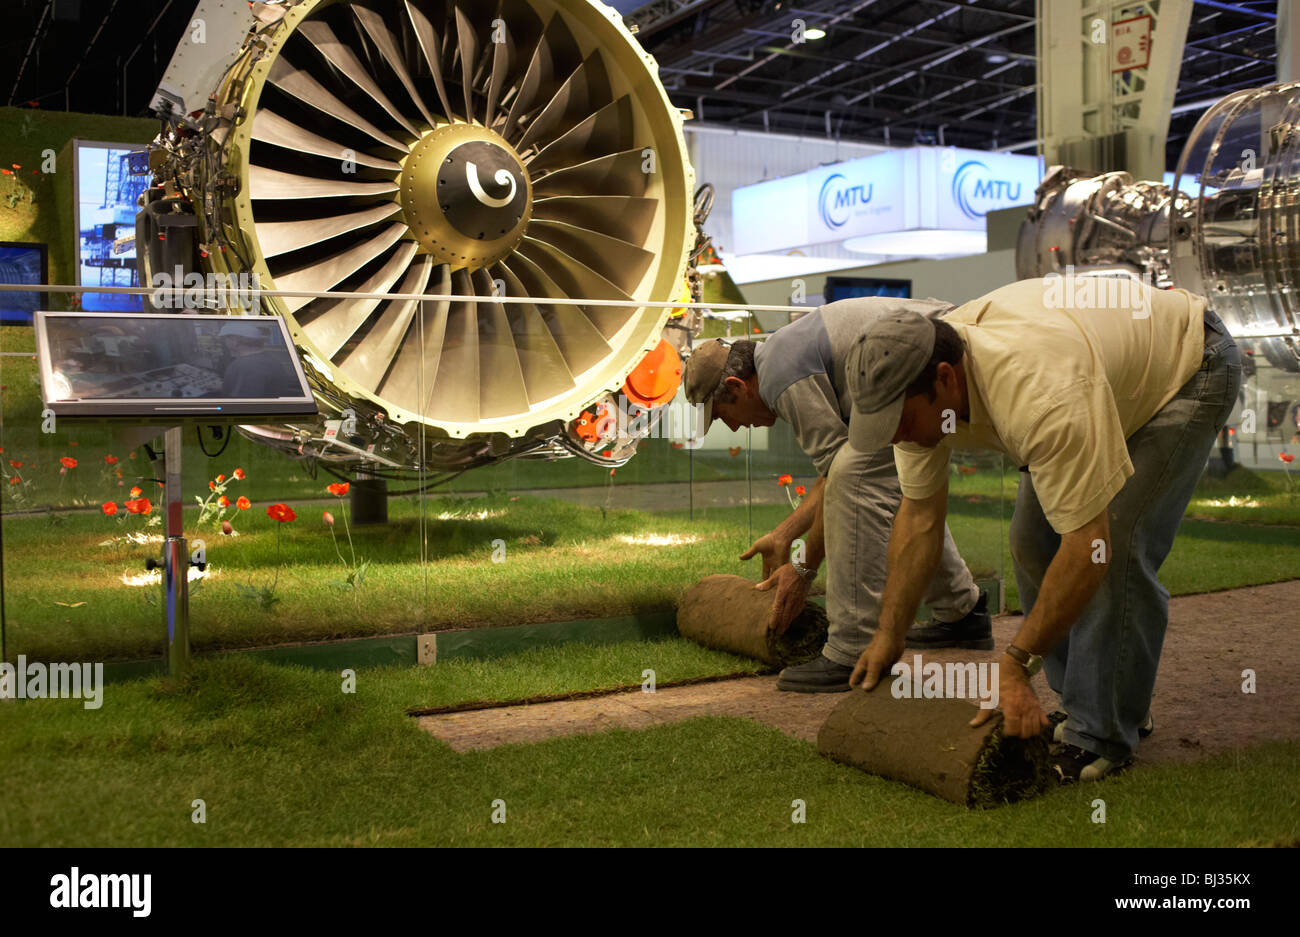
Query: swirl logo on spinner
[824,208]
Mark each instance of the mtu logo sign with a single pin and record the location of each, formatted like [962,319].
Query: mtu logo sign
[976,192]
[837,200]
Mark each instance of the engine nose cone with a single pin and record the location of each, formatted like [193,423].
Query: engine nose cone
[466,196]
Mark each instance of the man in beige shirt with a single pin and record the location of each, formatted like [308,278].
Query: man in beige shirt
[1112,406]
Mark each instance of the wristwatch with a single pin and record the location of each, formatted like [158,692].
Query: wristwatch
[804,573]
[1031,663]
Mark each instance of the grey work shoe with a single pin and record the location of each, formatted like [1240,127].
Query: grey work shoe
[1073,764]
[974,632]
[819,675]
[1056,731]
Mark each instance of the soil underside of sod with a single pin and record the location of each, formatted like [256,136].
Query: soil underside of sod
[1199,705]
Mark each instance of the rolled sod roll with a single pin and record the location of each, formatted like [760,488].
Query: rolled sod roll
[929,744]
[727,613]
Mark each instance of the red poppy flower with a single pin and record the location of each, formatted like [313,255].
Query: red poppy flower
[73,443]
[239,473]
[328,518]
[68,461]
[139,506]
[281,512]
[223,501]
[118,473]
[15,480]
[1286,457]
[243,504]
[15,464]
[110,507]
[110,459]
[677,445]
[136,492]
[339,489]
[800,490]
[784,480]
[220,479]
[212,486]
[131,455]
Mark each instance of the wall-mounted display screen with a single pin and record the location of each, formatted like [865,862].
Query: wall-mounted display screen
[21,264]
[165,367]
[851,287]
[106,194]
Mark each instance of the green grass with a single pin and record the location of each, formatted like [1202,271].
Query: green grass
[562,561]
[281,757]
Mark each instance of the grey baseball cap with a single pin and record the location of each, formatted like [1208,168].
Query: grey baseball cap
[701,375]
[889,355]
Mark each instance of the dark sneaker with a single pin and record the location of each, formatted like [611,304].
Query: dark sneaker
[820,675]
[1073,763]
[974,632]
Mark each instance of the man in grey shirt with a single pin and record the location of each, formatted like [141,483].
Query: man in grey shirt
[798,376]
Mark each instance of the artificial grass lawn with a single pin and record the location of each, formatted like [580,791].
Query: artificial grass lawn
[281,757]
[562,561]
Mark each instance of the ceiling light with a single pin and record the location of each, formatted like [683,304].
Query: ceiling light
[814,33]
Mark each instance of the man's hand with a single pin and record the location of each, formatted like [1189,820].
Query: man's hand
[1022,716]
[875,662]
[791,593]
[775,550]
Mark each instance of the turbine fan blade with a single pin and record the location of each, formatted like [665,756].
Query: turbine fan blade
[319,34]
[372,358]
[619,262]
[329,323]
[622,216]
[431,45]
[467,45]
[416,366]
[386,43]
[270,127]
[266,183]
[333,270]
[540,358]
[607,131]
[577,279]
[616,174]
[505,393]
[281,237]
[585,90]
[299,84]
[580,342]
[455,393]
[554,59]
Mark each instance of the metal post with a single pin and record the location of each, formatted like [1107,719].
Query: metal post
[176,560]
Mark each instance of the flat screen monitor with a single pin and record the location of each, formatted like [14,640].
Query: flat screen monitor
[107,186]
[838,288]
[170,368]
[22,264]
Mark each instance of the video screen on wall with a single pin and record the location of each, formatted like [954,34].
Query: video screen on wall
[107,191]
[21,264]
[854,287]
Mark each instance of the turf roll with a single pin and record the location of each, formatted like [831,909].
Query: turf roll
[929,744]
[727,613]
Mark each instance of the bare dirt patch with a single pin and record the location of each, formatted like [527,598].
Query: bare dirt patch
[1199,707]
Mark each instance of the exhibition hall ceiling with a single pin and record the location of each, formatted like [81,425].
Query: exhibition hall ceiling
[886,71]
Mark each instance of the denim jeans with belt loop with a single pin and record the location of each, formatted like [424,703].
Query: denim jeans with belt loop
[1105,667]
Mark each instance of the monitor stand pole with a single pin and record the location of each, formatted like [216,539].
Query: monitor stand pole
[176,559]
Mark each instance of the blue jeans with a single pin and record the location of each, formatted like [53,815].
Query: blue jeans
[1105,668]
